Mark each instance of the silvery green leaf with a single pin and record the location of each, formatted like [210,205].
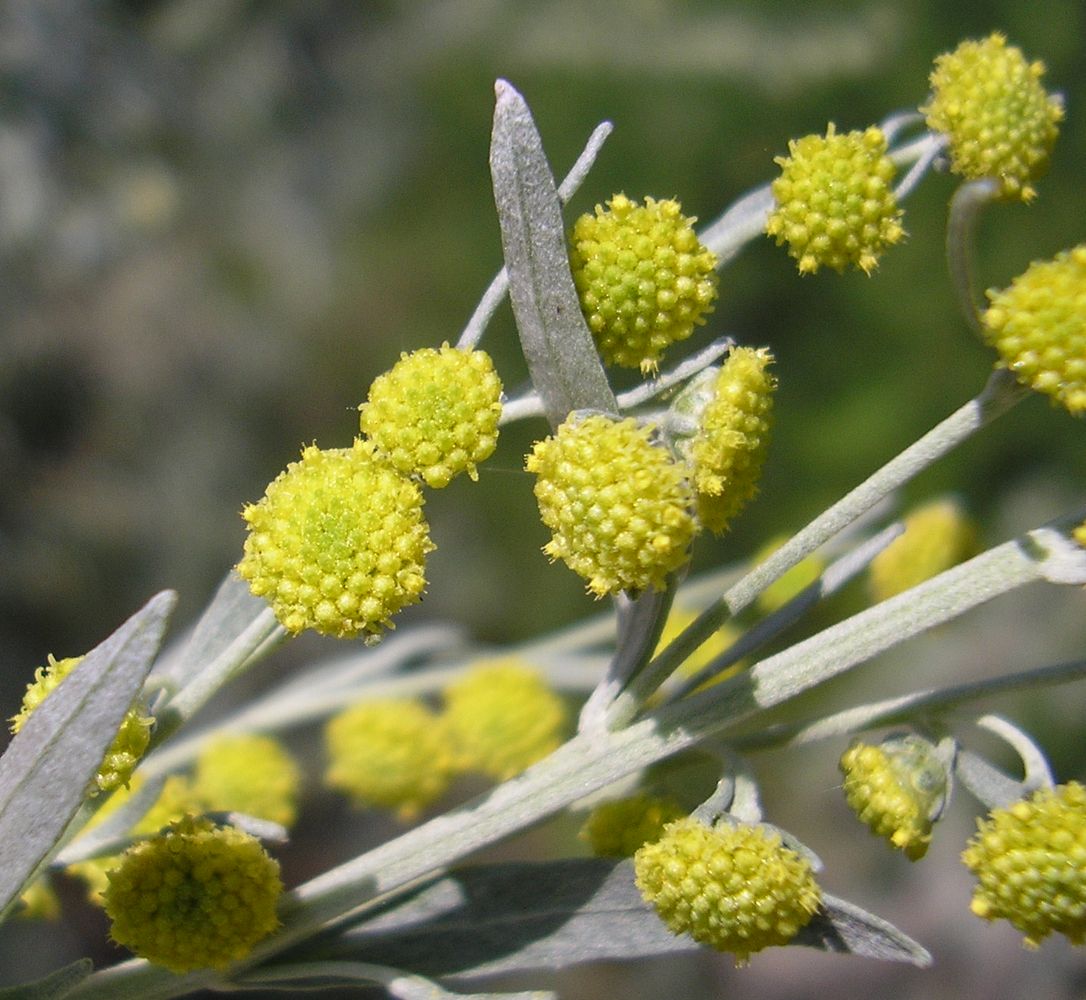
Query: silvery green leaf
[842,926]
[986,783]
[562,359]
[56,985]
[45,771]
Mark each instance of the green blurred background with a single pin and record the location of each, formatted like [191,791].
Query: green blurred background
[219,220]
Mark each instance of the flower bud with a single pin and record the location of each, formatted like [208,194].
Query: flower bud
[617,829]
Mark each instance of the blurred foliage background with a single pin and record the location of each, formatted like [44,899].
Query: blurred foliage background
[220,219]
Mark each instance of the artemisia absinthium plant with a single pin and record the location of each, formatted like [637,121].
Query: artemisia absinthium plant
[625,484]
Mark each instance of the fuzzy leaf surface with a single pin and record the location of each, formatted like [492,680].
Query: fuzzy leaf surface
[56,985]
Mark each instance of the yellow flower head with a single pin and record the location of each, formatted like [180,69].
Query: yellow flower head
[618,505]
[644,279]
[435,413]
[248,774]
[501,717]
[617,829]
[835,203]
[132,737]
[989,102]
[1030,864]
[735,888]
[1038,326]
[338,543]
[197,897]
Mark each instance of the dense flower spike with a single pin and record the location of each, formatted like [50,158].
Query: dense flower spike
[501,717]
[619,506]
[937,536]
[617,829]
[896,789]
[132,737]
[435,413]
[643,277]
[1038,326]
[735,888]
[835,203]
[1000,123]
[338,543]
[729,448]
[197,897]
[392,754]
[249,774]
[1030,864]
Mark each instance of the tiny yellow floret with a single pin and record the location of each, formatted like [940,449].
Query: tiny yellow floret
[1038,327]
[618,505]
[249,774]
[435,413]
[643,277]
[999,121]
[198,896]
[502,717]
[617,829]
[338,543]
[735,888]
[835,203]
[1030,864]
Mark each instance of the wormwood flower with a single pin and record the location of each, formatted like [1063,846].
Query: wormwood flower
[249,774]
[197,897]
[895,789]
[1000,123]
[1038,326]
[124,752]
[729,448]
[435,413]
[937,535]
[735,888]
[501,717]
[835,205]
[618,505]
[392,754]
[337,543]
[1030,864]
[617,829]
[643,277]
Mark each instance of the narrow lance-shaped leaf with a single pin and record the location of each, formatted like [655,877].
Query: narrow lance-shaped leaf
[45,771]
[557,344]
[55,986]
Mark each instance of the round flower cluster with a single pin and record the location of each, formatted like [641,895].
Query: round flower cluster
[1030,864]
[337,543]
[197,897]
[835,205]
[643,277]
[1000,123]
[435,413]
[248,774]
[618,505]
[937,536]
[895,789]
[617,829]
[735,888]
[124,752]
[1038,326]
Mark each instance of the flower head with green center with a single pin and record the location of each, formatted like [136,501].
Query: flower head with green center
[735,888]
[435,413]
[896,789]
[1030,864]
[729,447]
[1038,326]
[618,505]
[249,774]
[389,754]
[937,535]
[337,543]
[124,752]
[197,897]
[835,203]
[643,277]
[1000,123]
[501,717]
[617,829]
